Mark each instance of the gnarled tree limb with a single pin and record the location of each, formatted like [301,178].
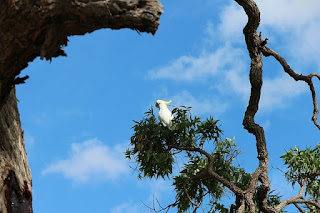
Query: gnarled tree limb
[253,41]
[298,77]
[40,28]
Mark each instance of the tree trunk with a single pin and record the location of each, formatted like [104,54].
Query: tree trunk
[15,176]
[32,28]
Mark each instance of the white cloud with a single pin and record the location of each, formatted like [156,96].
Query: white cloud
[266,124]
[288,13]
[282,15]
[281,185]
[233,19]
[278,92]
[305,44]
[231,81]
[29,139]
[190,68]
[159,191]
[160,187]
[127,207]
[91,160]
[290,24]
[297,28]
[200,105]
[297,25]
[238,81]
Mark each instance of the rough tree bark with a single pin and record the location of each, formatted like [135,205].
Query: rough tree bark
[15,177]
[256,47]
[253,41]
[32,28]
[259,184]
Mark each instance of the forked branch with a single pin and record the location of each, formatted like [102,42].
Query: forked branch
[311,202]
[298,77]
[236,190]
[293,199]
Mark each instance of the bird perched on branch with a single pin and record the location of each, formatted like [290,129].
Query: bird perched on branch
[165,115]
[263,43]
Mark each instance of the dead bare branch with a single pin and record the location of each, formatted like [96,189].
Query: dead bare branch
[154,208]
[298,77]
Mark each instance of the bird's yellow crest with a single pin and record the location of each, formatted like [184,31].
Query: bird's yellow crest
[167,102]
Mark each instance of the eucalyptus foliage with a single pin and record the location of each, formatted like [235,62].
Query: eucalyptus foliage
[154,147]
[304,165]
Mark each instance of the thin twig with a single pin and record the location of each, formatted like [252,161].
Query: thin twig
[299,208]
[154,209]
[197,205]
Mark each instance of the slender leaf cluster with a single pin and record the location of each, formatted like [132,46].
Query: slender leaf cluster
[304,165]
[150,148]
[153,146]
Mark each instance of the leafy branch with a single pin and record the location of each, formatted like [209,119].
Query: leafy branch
[206,174]
[212,172]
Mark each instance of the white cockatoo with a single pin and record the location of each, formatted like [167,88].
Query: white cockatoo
[165,115]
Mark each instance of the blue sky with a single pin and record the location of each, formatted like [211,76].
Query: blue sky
[77,111]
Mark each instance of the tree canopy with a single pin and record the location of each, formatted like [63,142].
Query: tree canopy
[208,171]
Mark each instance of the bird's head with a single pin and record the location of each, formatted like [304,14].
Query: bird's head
[161,103]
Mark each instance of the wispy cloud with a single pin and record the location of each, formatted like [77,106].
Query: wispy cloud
[29,139]
[296,25]
[159,188]
[290,25]
[237,82]
[202,67]
[288,13]
[227,65]
[73,113]
[157,192]
[200,105]
[128,207]
[40,118]
[232,21]
[278,92]
[281,185]
[91,160]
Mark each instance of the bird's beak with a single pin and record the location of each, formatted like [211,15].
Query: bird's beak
[167,102]
[157,105]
